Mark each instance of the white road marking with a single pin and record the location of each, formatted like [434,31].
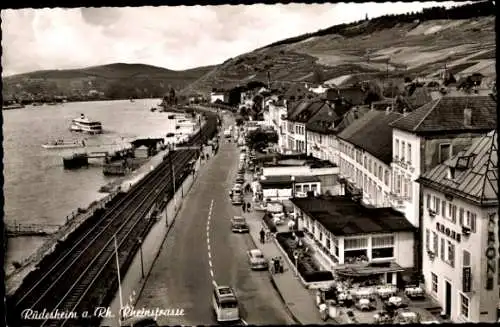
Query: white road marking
[208,247]
[212,273]
[244,322]
[210,258]
[210,263]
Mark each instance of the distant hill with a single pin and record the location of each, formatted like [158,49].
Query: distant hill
[113,81]
[404,45]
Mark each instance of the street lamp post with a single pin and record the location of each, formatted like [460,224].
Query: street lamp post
[142,260]
[293,186]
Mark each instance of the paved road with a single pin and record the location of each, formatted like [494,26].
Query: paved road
[182,276]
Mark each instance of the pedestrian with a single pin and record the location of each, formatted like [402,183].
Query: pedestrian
[276,265]
[262,236]
[249,205]
[243,206]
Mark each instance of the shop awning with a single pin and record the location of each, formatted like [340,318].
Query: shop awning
[369,269]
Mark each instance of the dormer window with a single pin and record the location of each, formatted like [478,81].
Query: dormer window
[451,173]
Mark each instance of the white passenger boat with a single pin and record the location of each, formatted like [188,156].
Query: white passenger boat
[61,144]
[85,125]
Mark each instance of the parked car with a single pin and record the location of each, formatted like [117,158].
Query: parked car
[239,225]
[240,180]
[351,318]
[365,305]
[257,260]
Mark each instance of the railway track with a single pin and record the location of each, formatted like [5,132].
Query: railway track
[69,284]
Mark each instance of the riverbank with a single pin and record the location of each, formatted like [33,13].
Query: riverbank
[15,276]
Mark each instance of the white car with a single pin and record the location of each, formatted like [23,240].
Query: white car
[257,260]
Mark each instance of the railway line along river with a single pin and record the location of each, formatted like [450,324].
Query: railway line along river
[37,189]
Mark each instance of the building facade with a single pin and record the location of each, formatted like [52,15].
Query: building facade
[429,136]
[461,259]
[365,154]
[324,221]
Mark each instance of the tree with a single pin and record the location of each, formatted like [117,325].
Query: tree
[259,139]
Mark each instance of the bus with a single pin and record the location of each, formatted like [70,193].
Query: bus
[225,304]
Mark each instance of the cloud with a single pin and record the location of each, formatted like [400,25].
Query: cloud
[172,37]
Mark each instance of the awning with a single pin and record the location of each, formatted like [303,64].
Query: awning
[368,270]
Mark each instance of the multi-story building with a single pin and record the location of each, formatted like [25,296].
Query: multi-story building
[299,115]
[360,242]
[430,135]
[461,259]
[365,155]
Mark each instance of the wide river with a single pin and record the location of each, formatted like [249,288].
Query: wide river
[37,188]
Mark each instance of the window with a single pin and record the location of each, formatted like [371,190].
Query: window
[364,162]
[437,203]
[454,213]
[336,247]
[451,254]
[355,243]
[470,221]
[314,188]
[355,250]
[409,154]
[403,151]
[461,216]
[321,236]
[444,152]
[449,210]
[435,242]
[380,176]
[464,306]
[386,177]
[427,239]
[466,259]
[443,209]
[382,247]
[396,149]
[434,282]
[443,249]
[428,202]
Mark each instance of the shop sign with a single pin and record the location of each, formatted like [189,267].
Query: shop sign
[466,279]
[491,252]
[448,232]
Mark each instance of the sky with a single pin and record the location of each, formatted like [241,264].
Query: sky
[176,38]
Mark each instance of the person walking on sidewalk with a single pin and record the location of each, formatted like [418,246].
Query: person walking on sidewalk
[262,236]
[243,206]
[248,206]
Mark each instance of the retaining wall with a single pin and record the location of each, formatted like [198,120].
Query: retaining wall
[133,281]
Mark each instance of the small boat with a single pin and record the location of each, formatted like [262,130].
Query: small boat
[12,105]
[61,144]
[83,124]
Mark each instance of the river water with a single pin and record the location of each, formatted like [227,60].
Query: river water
[37,189]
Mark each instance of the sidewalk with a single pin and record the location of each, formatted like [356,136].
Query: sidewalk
[299,301]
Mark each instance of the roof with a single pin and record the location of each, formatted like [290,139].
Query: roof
[420,97]
[372,133]
[475,173]
[306,110]
[447,114]
[287,180]
[354,95]
[350,116]
[344,217]
[325,119]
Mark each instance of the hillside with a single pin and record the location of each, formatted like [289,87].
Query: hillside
[112,81]
[415,44]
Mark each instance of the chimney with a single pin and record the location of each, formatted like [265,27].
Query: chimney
[467,117]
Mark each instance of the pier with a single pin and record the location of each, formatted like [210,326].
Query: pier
[18,230]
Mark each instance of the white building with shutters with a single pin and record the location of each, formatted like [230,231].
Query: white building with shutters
[460,226]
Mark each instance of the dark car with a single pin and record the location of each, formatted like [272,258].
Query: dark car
[239,225]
